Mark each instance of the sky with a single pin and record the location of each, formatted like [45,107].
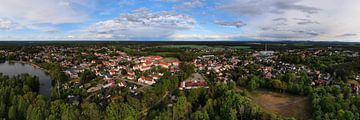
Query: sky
[180,20]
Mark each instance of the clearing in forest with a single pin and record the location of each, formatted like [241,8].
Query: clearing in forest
[283,104]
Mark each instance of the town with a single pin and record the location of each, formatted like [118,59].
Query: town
[105,74]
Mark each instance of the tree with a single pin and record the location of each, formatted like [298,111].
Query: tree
[86,76]
[90,111]
[55,108]
[253,83]
[200,115]
[242,81]
[180,107]
[120,111]
[34,113]
[22,107]
[278,84]
[12,114]
[2,109]
[69,113]
[187,69]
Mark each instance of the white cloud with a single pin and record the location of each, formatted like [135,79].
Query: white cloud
[258,7]
[237,24]
[8,24]
[298,19]
[204,37]
[41,11]
[190,5]
[168,0]
[143,23]
[41,15]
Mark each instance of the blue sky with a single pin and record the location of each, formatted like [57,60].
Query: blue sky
[180,20]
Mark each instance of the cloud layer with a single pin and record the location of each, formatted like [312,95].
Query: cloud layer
[7,24]
[181,19]
[237,24]
[298,19]
[40,11]
[143,23]
[40,15]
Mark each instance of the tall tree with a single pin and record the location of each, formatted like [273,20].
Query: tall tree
[120,111]
[180,107]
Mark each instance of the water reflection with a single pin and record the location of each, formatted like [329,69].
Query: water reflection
[14,68]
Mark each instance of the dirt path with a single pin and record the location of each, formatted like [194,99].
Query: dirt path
[161,99]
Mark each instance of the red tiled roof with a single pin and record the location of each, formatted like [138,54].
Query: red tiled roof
[163,63]
[155,57]
[192,84]
[148,62]
[145,78]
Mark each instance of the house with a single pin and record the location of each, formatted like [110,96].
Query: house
[130,77]
[175,62]
[144,68]
[122,84]
[155,57]
[146,80]
[164,64]
[147,63]
[156,77]
[94,89]
[113,72]
[72,74]
[108,85]
[268,75]
[108,77]
[131,73]
[135,67]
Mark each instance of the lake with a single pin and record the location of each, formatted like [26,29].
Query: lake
[14,68]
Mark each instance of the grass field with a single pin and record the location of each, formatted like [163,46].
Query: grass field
[283,104]
[205,46]
[240,47]
[185,46]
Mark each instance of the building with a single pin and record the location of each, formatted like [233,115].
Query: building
[193,85]
[146,80]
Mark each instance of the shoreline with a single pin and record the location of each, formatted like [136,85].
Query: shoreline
[32,64]
[35,66]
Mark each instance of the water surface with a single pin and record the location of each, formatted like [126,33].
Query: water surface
[15,68]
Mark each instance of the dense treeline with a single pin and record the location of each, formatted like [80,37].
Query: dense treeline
[335,102]
[19,96]
[20,100]
[298,84]
[218,102]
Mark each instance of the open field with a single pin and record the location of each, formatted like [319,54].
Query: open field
[240,47]
[283,104]
[185,46]
[205,46]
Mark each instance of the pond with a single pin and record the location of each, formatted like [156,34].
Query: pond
[15,68]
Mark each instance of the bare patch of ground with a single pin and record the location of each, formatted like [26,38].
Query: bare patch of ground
[196,77]
[283,104]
